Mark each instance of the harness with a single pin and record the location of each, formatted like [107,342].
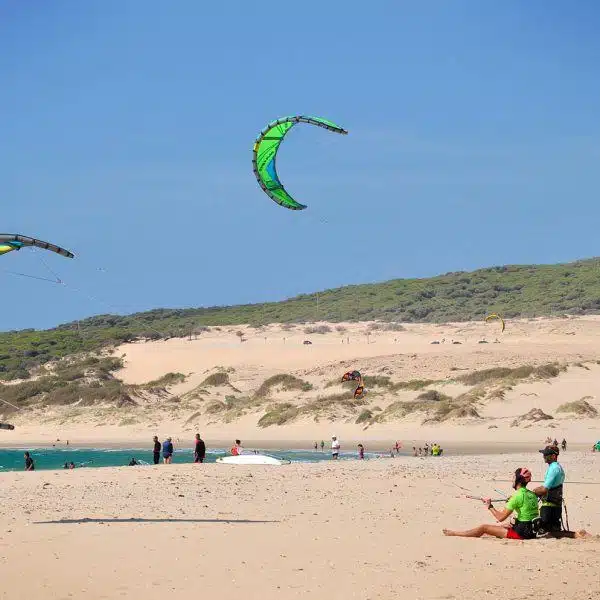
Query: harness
[554,495]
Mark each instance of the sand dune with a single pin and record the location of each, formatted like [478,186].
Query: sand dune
[233,410]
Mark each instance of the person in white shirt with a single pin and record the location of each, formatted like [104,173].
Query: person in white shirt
[335,447]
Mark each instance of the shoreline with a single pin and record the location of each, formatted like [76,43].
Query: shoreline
[468,448]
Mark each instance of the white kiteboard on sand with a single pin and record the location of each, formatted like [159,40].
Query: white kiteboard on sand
[252,459]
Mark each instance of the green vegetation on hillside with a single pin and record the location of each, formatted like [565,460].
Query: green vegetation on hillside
[84,381]
[513,291]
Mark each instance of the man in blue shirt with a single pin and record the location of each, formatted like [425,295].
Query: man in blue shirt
[551,492]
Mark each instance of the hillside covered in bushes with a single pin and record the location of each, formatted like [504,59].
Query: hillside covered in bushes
[513,291]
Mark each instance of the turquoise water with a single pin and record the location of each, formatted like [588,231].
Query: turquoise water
[54,458]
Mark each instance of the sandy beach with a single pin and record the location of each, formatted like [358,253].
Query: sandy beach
[347,530]
[352,529]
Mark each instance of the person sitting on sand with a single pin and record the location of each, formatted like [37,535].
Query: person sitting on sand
[523,503]
[237,449]
[133,462]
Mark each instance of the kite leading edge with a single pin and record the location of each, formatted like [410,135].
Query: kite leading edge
[13,241]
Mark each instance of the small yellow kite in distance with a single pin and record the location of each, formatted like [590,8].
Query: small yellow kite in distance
[496,316]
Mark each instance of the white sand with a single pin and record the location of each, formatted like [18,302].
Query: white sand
[368,530]
[331,530]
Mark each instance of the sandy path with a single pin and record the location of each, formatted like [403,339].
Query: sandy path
[348,530]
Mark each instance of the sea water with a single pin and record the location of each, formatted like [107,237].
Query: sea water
[11,459]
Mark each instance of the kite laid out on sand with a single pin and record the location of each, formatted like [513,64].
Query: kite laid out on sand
[265,154]
[496,316]
[355,376]
[14,241]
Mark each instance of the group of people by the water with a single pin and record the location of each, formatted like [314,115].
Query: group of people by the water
[554,442]
[530,520]
[428,450]
[168,449]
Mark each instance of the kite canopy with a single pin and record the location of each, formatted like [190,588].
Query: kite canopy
[495,316]
[265,153]
[355,376]
[352,376]
[12,241]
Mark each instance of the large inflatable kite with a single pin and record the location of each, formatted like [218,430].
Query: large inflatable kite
[355,376]
[13,241]
[265,153]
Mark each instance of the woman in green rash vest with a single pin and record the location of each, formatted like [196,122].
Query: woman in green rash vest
[523,503]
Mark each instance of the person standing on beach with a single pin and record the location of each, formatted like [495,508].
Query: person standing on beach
[237,449]
[167,451]
[29,466]
[361,452]
[199,449]
[156,452]
[322,445]
[551,491]
[316,446]
[335,447]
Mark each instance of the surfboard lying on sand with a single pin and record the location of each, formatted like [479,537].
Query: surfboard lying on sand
[252,459]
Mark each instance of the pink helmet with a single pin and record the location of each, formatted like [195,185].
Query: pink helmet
[525,474]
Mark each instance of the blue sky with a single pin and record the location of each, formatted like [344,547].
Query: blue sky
[127,130]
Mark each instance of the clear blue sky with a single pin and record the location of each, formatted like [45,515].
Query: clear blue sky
[127,129]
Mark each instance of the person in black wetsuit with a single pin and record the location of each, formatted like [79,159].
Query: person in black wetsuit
[199,449]
[157,447]
[29,466]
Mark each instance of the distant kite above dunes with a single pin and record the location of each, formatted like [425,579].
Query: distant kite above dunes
[494,316]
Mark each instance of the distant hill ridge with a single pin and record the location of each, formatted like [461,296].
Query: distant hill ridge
[512,290]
